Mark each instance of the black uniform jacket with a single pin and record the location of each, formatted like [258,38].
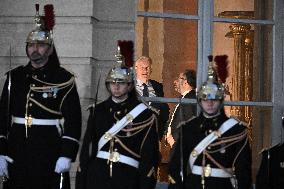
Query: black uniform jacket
[144,143]
[271,172]
[195,131]
[35,155]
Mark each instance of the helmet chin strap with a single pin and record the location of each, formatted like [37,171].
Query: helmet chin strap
[119,99]
[211,115]
[39,60]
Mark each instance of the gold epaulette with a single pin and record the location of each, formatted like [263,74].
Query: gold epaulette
[267,148]
[90,106]
[71,72]
[191,118]
[171,180]
[185,122]
[151,172]
[240,122]
[157,111]
[262,150]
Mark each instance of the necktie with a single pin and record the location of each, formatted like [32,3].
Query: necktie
[145,90]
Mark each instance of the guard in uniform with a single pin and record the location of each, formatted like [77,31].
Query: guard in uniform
[123,131]
[40,114]
[213,151]
[271,171]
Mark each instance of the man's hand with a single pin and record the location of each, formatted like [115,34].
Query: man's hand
[170,140]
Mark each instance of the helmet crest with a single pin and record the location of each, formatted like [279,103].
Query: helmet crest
[42,33]
[211,89]
[121,73]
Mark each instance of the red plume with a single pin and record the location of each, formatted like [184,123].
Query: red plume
[222,67]
[127,50]
[49,17]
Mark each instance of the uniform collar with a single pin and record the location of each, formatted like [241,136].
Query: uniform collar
[48,67]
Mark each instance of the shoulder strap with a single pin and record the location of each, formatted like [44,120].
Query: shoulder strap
[121,124]
[211,138]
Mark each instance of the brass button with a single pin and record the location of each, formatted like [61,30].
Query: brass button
[207,170]
[194,153]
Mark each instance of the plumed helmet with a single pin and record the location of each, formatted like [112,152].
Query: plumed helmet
[42,33]
[211,89]
[120,73]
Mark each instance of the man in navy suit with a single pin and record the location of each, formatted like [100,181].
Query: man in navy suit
[151,88]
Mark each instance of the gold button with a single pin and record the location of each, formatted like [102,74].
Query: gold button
[194,153]
[32,94]
[207,170]
[107,136]
[217,134]
[30,104]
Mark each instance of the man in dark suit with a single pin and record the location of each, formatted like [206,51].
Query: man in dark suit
[151,88]
[185,84]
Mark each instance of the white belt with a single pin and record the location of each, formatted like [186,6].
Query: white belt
[214,172]
[116,157]
[34,121]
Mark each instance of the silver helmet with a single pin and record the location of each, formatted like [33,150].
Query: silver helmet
[211,89]
[42,33]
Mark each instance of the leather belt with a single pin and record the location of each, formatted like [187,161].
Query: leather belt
[116,157]
[214,172]
[34,121]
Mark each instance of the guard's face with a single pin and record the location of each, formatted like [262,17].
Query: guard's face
[143,70]
[119,90]
[210,107]
[38,53]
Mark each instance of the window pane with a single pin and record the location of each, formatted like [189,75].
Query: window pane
[172,46]
[249,48]
[247,9]
[188,7]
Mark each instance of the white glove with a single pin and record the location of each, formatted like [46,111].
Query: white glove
[63,164]
[4,165]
